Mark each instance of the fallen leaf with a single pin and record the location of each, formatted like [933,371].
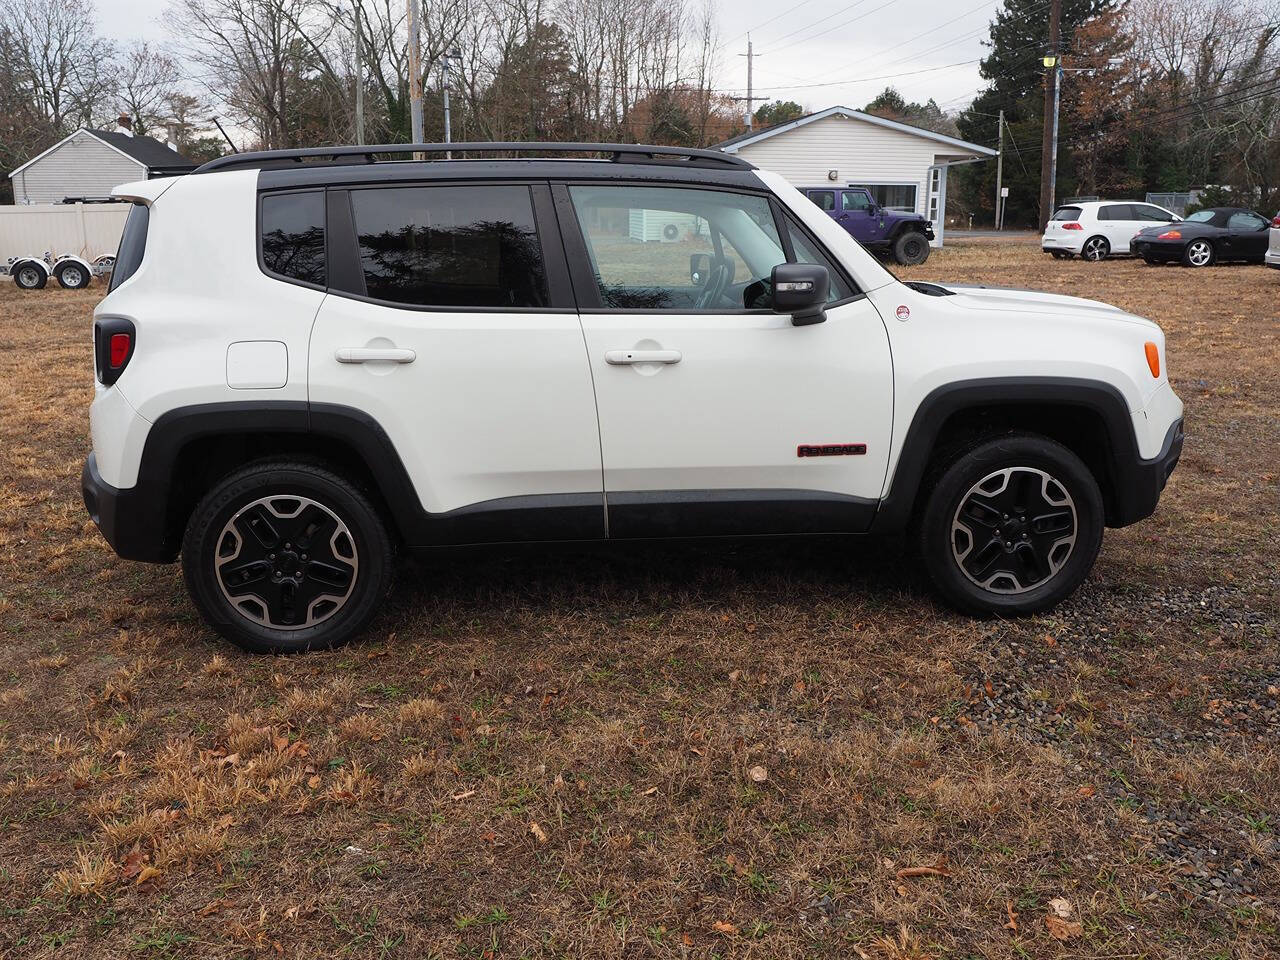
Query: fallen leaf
[230,760]
[145,874]
[1061,929]
[939,871]
[314,782]
[725,927]
[986,685]
[1062,907]
[211,908]
[648,793]
[733,677]
[537,831]
[1013,917]
[736,865]
[686,940]
[758,773]
[1088,790]
[483,730]
[281,744]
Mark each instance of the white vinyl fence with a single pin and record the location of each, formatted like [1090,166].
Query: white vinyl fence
[86,229]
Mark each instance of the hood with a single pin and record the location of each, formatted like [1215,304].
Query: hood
[1035,303]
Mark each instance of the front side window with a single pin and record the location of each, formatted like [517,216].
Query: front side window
[447,246]
[293,236]
[856,200]
[1245,221]
[660,248]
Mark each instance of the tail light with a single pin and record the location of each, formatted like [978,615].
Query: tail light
[1072,226]
[114,339]
[1275,221]
[1170,235]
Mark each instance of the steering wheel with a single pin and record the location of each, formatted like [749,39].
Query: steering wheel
[717,280]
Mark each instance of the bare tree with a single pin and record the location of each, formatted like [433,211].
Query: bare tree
[147,81]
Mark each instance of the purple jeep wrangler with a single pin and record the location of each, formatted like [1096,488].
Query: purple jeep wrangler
[903,236]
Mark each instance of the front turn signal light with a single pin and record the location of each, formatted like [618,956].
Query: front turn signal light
[1153,358]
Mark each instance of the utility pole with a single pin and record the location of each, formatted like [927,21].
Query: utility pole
[1049,139]
[999,169]
[355,14]
[750,98]
[415,74]
[449,57]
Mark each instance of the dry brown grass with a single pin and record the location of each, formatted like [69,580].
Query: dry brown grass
[164,796]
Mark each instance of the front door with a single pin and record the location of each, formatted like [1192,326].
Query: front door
[860,216]
[1247,235]
[718,416]
[456,333]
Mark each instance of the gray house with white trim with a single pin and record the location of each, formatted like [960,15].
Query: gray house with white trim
[905,167]
[90,163]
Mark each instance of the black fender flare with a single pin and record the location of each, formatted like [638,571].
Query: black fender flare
[1129,475]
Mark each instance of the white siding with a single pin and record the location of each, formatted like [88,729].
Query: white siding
[81,166]
[86,229]
[862,153]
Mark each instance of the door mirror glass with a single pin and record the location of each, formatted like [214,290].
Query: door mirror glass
[699,268]
[800,289]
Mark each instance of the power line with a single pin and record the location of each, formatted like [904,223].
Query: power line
[769,21]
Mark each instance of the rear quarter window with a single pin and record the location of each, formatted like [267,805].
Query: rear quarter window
[133,244]
[293,239]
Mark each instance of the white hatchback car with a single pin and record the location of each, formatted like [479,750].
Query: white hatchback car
[1099,229]
[1272,258]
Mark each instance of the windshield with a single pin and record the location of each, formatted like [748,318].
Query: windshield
[1200,216]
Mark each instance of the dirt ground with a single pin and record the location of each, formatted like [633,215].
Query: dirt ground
[775,751]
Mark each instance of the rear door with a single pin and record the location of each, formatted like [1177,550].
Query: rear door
[1118,222]
[714,411]
[450,323]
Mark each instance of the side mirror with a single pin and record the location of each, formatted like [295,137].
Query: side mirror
[800,289]
[699,268]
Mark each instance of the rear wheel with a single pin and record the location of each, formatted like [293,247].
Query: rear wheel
[1095,249]
[911,249]
[1012,527]
[1198,253]
[29,277]
[72,275]
[284,557]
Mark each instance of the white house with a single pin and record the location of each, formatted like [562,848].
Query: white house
[90,163]
[905,167]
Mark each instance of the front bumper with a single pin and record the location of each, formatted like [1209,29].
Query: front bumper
[128,519]
[1138,490]
[1155,250]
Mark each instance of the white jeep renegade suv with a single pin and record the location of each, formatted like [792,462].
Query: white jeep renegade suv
[309,359]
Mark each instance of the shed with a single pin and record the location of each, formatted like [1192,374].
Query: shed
[904,167]
[90,163]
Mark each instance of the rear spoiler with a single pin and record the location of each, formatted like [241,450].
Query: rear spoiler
[144,191]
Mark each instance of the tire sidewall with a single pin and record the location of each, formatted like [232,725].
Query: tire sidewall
[934,536]
[900,249]
[373,547]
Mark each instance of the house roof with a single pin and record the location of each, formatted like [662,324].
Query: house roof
[733,144]
[147,151]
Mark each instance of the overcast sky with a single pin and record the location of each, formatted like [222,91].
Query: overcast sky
[816,52]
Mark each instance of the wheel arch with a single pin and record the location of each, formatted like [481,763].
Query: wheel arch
[33,261]
[188,450]
[1089,417]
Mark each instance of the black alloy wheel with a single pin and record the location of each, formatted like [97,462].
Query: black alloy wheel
[1011,527]
[286,556]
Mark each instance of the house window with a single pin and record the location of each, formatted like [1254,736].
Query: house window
[893,196]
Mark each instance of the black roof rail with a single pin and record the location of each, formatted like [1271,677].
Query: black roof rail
[618,152]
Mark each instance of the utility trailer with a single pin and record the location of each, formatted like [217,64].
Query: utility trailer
[71,242]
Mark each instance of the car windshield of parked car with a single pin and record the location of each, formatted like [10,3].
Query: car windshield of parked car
[1201,216]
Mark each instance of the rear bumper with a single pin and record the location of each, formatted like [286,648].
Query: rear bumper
[1138,491]
[128,520]
[1272,258]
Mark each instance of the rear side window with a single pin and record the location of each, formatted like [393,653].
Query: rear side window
[1116,211]
[450,246]
[293,236]
[825,199]
[1067,213]
[1146,211]
[133,244]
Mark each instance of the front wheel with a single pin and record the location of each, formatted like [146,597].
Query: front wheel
[284,557]
[911,249]
[1012,527]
